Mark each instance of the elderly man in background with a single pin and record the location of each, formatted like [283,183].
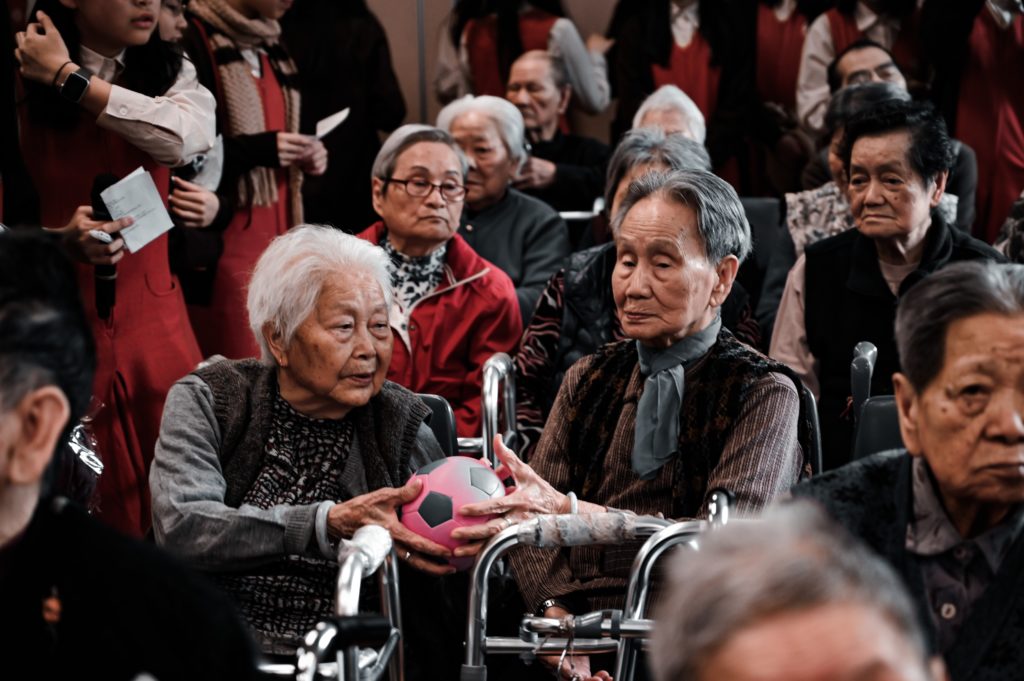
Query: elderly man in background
[263,465]
[844,289]
[788,598]
[79,599]
[866,61]
[653,423]
[948,510]
[564,170]
[522,235]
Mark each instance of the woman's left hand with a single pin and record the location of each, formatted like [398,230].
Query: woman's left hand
[41,50]
[531,495]
[314,162]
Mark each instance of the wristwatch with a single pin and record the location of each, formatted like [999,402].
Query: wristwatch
[551,603]
[75,85]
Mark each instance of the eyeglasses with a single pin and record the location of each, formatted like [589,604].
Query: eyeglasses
[420,188]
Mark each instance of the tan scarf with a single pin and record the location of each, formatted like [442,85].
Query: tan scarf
[233,33]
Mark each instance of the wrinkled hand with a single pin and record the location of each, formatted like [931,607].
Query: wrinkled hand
[531,495]
[293,146]
[598,43]
[86,248]
[537,173]
[378,508]
[41,50]
[315,160]
[194,206]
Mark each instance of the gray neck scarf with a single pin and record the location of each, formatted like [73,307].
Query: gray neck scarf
[657,413]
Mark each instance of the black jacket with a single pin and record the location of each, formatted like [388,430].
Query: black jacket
[580,164]
[872,498]
[125,608]
[847,301]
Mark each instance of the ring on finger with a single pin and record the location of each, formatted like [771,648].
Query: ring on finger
[408,554]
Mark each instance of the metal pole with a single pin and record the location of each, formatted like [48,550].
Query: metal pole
[422,51]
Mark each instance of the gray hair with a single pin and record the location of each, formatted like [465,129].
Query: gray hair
[793,559]
[290,275]
[649,146]
[721,222]
[408,136]
[506,117]
[671,98]
[930,307]
[556,65]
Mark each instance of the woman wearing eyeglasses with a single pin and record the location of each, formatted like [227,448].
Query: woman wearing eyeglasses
[451,308]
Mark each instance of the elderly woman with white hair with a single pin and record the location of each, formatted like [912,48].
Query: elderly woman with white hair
[671,110]
[522,235]
[451,309]
[263,465]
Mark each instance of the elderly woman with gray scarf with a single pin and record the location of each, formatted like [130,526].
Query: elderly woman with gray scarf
[263,465]
[654,423]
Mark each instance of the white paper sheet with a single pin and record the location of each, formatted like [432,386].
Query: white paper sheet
[326,125]
[136,196]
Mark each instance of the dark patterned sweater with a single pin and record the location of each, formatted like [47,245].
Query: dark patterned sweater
[872,499]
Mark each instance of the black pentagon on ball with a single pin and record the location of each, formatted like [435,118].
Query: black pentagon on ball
[433,465]
[484,480]
[436,509]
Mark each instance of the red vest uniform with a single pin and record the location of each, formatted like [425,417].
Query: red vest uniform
[779,44]
[990,117]
[147,343]
[481,36]
[905,50]
[222,327]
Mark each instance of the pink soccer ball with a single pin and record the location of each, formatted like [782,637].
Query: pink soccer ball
[448,485]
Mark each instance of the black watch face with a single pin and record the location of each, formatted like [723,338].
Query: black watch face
[74,87]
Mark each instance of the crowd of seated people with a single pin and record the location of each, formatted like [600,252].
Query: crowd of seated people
[254,382]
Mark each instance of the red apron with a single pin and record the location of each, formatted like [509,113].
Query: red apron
[905,49]
[989,117]
[222,327]
[481,36]
[779,44]
[690,69]
[147,344]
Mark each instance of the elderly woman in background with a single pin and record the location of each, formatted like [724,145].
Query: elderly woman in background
[844,289]
[651,424]
[522,235]
[947,511]
[671,110]
[451,309]
[824,211]
[576,312]
[263,465]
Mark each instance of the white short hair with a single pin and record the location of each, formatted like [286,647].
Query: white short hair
[290,275]
[671,98]
[505,115]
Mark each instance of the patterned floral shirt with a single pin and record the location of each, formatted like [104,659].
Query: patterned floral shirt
[413,277]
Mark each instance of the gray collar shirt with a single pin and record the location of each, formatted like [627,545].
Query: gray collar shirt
[956,571]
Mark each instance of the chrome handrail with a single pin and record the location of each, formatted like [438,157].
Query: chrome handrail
[543,531]
[499,371]
[369,551]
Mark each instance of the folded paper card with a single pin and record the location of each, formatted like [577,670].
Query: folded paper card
[328,124]
[136,196]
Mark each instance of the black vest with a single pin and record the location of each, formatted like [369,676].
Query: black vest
[873,499]
[243,391]
[846,300]
[706,419]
